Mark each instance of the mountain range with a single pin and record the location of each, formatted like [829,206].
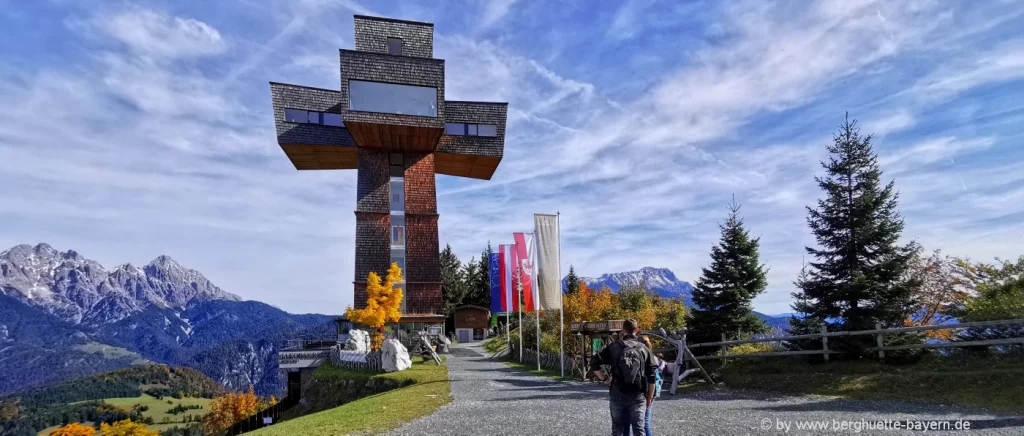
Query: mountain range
[63,316]
[662,282]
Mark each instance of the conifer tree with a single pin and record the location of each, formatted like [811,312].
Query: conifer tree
[859,274]
[725,291]
[453,283]
[572,282]
[478,284]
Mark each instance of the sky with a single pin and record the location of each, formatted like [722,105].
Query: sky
[135,129]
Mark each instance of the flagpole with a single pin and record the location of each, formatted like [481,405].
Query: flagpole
[508,298]
[536,299]
[561,319]
[519,304]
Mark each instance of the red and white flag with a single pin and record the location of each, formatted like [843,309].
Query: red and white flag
[525,265]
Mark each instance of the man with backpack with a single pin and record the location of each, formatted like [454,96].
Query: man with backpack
[633,372]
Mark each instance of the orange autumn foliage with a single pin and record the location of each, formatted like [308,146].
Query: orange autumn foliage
[229,409]
[588,305]
[383,304]
[126,428]
[74,429]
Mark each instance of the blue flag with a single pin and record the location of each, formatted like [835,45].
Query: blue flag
[494,272]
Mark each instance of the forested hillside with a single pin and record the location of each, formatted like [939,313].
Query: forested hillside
[79,400]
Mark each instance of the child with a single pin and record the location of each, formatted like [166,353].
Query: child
[657,385]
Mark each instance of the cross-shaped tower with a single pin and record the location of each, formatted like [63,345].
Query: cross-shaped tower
[391,123]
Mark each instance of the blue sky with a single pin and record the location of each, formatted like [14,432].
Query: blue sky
[137,129]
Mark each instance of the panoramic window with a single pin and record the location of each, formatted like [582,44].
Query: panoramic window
[455,129]
[488,130]
[333,120]
[392,99]
[394,46]
[296,116]
[313,117]
[462,129]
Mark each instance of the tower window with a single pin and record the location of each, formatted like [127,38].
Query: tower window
[394,46]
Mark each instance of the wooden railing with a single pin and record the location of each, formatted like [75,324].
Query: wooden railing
[879,334]
[263,418]
[371,363]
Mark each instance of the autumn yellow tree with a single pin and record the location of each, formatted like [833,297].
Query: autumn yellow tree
[126,428]
[74,429]
[588,305]
[230,408]
[383,304]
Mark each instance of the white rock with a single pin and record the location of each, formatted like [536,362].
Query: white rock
[358,340]
[394,356]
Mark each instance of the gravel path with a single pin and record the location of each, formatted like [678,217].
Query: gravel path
[490,398]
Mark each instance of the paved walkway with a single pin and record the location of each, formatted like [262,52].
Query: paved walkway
[491,399]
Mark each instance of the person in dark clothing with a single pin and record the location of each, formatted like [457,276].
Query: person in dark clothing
[628,399]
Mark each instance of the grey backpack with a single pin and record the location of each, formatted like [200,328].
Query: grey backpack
[628,371]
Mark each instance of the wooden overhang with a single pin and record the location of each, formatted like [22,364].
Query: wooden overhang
[322,157]
[394,136]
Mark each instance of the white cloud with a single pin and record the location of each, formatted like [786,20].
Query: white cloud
[1002,63]
[889,123]
[932,150]
[624,23]
[160,36]
[495,10]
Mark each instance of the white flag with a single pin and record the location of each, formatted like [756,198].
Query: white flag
[549,284]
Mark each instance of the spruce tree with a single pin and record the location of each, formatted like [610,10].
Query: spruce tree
[859,274]
[572,282]
[453,285]
[725,291]
[478,285]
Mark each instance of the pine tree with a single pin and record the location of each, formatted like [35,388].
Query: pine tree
[453,284]
[725,291]
[478,285]
[572,282]
[860,272]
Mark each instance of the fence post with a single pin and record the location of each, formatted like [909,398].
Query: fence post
[880,342]
[723,349]
[824,340]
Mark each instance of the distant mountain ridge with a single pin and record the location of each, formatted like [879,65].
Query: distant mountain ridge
[80,290]
[63,316]
[661,281]
[664,283]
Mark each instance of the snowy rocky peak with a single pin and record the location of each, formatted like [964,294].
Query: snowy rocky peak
[63,283]
[661,281]
[82,291]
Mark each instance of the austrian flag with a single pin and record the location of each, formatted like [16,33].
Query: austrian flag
[525,265]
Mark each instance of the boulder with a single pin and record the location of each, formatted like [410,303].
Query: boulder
[358,340]
[394,356]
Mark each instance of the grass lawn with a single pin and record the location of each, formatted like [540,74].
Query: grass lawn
[532,369]
[429,390]
[991,383]
[158,408]
[495,344]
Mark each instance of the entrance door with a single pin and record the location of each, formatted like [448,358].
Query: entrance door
[294,384]
[465,335]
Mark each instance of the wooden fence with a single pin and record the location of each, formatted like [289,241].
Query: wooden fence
[879,334]
[263,418]
[372,362]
